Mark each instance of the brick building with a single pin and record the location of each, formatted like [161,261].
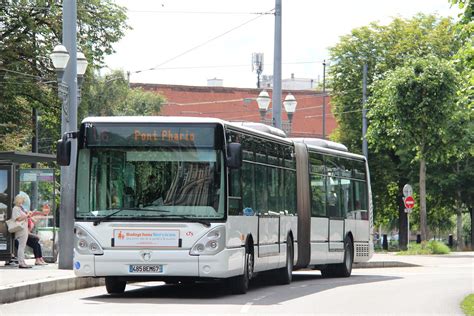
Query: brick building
[239,104]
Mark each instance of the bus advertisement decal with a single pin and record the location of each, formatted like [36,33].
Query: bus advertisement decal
[146,238]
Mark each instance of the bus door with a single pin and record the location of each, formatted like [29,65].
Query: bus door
[6,198]
[336,219]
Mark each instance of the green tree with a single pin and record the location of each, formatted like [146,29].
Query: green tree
[111,95]
[383,48]
[411,109]
[464,61]
[28,32]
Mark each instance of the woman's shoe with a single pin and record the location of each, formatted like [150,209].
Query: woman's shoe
[24,266]
[41,264]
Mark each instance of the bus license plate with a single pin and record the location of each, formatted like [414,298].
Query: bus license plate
[155,268]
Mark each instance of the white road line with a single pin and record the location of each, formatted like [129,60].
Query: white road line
[245,308]
[262,297]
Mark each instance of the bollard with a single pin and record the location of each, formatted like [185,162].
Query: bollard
[450,241]
[418,238]
[385,242]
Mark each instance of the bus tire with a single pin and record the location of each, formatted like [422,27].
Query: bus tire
[344,269]
[240,284]
[114,285]
[285,275]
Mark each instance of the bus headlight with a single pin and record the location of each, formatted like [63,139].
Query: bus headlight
[211,243]
[84,243]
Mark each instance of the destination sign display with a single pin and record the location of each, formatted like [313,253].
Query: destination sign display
[143,135]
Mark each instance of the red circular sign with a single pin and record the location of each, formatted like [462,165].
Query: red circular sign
[409,202]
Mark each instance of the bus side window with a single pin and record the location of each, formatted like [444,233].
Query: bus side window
[248,176]
[318,195]
[333,197]
[360,197]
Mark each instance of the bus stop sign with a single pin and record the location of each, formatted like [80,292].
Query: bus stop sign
[409,202]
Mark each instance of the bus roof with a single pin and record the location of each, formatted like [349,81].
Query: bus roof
[260,127]
[150,119]
[257,128]
[321,143]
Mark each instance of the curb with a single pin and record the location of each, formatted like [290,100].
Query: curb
[14,293]
[383,264]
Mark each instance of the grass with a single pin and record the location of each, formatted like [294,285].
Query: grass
[467,305]
[426,248]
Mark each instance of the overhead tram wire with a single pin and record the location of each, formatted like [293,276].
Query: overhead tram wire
[233,66]
[201,45]
[199,12]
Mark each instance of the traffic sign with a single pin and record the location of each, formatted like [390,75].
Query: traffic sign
[408,210]
[409,202]
[407,190]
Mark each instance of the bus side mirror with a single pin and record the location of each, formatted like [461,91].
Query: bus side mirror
[234,155]
[63,151]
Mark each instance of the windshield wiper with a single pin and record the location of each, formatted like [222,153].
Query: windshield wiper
[194,220]
[99,220]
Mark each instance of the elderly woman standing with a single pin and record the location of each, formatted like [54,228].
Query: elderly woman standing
[21,215]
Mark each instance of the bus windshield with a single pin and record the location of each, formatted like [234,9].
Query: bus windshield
[150,183]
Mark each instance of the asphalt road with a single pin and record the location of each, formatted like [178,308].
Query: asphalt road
[434,289]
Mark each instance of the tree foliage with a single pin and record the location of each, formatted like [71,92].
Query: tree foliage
[28,33]
[383,48]
[111,95]
[412,108]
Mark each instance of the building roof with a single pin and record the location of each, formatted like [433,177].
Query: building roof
[239,104]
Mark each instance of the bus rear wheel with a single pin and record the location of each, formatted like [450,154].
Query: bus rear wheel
[344,269]
[114,285]
[285,275]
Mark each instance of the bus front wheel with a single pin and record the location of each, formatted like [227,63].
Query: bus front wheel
[114,285]
[240,283]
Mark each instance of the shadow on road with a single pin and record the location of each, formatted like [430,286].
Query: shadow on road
[261,292]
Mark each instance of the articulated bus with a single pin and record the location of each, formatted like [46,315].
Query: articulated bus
[190,199]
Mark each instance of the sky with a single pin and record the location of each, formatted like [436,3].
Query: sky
[187,42]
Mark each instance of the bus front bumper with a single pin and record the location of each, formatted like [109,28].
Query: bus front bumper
[166,263]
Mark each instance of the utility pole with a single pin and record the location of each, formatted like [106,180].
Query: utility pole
[34,140]
[276,95]
[324,99]
[34,149]
[364,112]
[68,123]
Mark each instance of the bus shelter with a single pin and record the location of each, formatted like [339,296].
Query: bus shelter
[39,185]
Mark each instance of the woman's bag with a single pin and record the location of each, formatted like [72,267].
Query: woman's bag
[14,226]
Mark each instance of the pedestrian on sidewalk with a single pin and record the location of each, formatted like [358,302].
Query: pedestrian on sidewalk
[33,239]
[20,215]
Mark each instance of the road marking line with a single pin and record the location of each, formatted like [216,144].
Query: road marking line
[246,308]
[262,297]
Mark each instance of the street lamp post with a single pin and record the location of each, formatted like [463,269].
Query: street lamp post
[69,99]
[263,101]
[60,59]
[290,108]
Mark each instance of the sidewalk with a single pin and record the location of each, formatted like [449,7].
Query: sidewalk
[20,284]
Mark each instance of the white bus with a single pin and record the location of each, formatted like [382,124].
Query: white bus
[183,199]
